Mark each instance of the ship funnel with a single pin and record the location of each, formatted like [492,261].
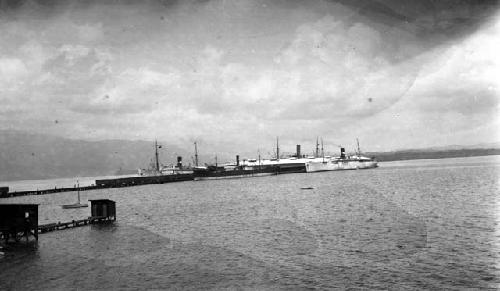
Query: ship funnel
[179,162]
[237,160]
[342,153]
[298,152]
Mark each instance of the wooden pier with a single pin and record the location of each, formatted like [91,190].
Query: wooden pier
[142,180]
[45,191]
[21,220]
[72,224]
[103,184]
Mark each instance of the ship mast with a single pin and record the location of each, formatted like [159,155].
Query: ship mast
[258,151]
[195,155]
[322,150]
[78,185]
[157,162]
[359,150]
[317,148]
[277,149]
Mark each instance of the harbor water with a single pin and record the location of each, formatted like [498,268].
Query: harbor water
[407,225]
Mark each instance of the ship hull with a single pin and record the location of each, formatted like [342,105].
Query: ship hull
[249,171]
[142,180]
[319,166]
[227,175]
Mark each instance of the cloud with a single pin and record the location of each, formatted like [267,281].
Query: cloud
[463,78]
[72,53]
[249,70]
[90,32]
[12,68]
[329,71]
[454,100]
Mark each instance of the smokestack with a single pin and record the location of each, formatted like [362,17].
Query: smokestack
[179,162]
[342,153]
[237,160]
[298,152]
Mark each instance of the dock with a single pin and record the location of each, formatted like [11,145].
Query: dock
[72,224]
[103,184]
[142,180]
[45,191]
[21,220]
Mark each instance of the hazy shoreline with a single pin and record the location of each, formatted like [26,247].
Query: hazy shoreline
[86,181]
[432,154]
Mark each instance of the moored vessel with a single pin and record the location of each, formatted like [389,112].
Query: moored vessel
[78,204]
[249,167]
[157,169]
[343,162]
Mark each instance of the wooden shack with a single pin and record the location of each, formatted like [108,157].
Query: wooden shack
[4,192]
[18,220]
[103,209]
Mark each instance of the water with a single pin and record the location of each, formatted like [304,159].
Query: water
[425,224]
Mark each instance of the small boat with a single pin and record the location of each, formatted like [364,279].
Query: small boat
[306,188]
[75,205]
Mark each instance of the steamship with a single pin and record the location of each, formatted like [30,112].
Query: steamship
[344,162]
[248,167]
[155,169]
[296,163]
[354,162]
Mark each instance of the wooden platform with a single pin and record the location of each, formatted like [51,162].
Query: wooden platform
[72,224]
[21,220]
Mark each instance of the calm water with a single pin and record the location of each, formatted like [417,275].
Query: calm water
[427,224]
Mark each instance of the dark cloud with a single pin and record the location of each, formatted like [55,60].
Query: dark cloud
[430,17]
[11,4]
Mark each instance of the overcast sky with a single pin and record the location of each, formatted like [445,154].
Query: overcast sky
[236,74]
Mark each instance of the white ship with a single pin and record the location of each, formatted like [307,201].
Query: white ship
[327,163]
[335,164]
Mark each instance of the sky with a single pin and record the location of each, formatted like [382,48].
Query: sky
[234,75]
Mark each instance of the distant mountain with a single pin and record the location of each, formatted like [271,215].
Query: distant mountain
[492,145]
[26,156]
[434,153]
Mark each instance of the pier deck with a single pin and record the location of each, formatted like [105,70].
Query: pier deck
[21,220]
[103,184]
[72,224]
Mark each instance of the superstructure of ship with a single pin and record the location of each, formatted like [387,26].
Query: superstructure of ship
[296,163]
[157,169]
[247,167]
[343,162]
